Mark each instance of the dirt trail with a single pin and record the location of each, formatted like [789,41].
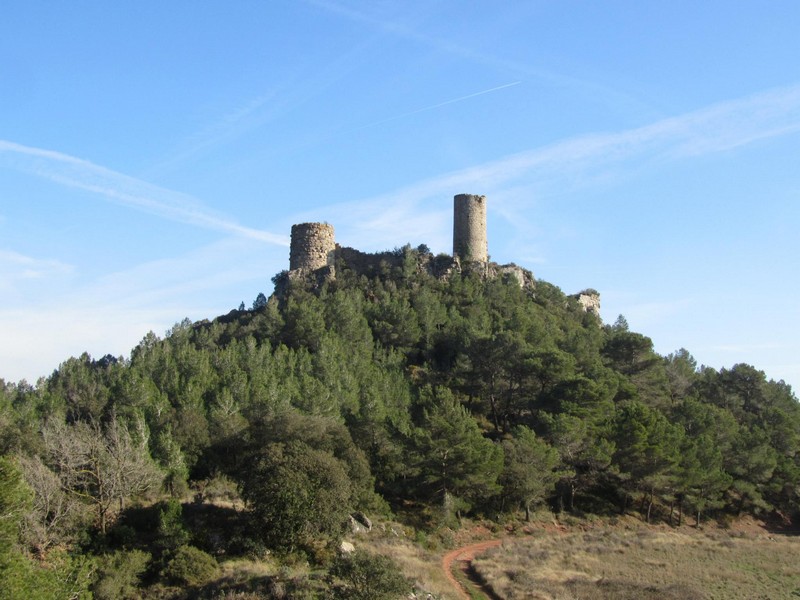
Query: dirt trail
[463,556]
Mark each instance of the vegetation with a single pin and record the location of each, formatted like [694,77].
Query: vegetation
[365,576]
[619,564]
[385,391]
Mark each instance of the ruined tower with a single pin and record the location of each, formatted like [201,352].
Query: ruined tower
[469,228]
[312,247]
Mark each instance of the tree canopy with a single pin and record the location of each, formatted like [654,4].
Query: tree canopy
[393,388]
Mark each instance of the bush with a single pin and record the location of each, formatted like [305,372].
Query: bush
[299,497]
[171,532]
[122,536]
[366,576]
[118,575]
[190,566]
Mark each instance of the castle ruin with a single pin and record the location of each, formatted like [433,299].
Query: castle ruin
[469,228]
[314,252]
[313,247]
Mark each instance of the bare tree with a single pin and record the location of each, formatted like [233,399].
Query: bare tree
[54,512]
[102,465]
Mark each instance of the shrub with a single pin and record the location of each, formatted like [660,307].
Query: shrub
[171,532]
[298,496]
[366,576]
[190,566]
[118,575]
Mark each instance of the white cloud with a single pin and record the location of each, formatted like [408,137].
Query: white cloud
[110,315]
[515,182]
[14,266]
[24,277]
[128,191]
[438,105]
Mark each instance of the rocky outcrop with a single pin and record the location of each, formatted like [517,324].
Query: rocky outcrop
[589,301]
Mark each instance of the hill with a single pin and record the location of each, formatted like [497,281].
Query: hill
[396,387]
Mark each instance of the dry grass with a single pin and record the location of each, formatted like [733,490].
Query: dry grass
[619,564]
[245,568]
[420,565]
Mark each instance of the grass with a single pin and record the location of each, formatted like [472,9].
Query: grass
[420,564]
[644,564]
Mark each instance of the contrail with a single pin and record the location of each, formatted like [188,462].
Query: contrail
[126,190]
[440,104]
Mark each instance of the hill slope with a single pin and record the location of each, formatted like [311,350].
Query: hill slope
[433,393]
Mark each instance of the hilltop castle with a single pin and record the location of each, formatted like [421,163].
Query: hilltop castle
[314,252]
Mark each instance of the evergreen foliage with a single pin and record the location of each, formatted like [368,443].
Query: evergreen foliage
[190,566]
[385,388]
[365,576]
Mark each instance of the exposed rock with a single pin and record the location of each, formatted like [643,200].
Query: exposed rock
[512,272]
[346,548]
[355,526]
[363,519]
[589,300]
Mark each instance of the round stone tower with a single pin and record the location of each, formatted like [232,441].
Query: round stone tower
[312,247]
[469,228]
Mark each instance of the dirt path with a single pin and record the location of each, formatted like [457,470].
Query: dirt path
[463,557]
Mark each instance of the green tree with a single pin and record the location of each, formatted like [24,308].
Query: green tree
[457,464]
[82,384]
[632,355]
[324,434]
[260,302]
[710,434]
[702,479]
[15,500]
[172,533]
[529,469]
[647,451]
[304,316]
[297,496]
[585,447]
[681,369]
[752,467]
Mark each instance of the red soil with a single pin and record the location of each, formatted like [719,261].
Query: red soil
[463,556]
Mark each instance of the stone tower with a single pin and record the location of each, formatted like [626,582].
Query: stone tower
[312,247]
[469,228]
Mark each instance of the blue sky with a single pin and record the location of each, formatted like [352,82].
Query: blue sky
[153,156]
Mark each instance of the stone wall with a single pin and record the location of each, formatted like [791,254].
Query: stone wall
[312,247]
[469,228]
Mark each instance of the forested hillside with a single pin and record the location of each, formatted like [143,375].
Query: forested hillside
[393,392]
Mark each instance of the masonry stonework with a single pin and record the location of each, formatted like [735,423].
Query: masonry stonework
[312,247]
[469,228]
[314,254]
